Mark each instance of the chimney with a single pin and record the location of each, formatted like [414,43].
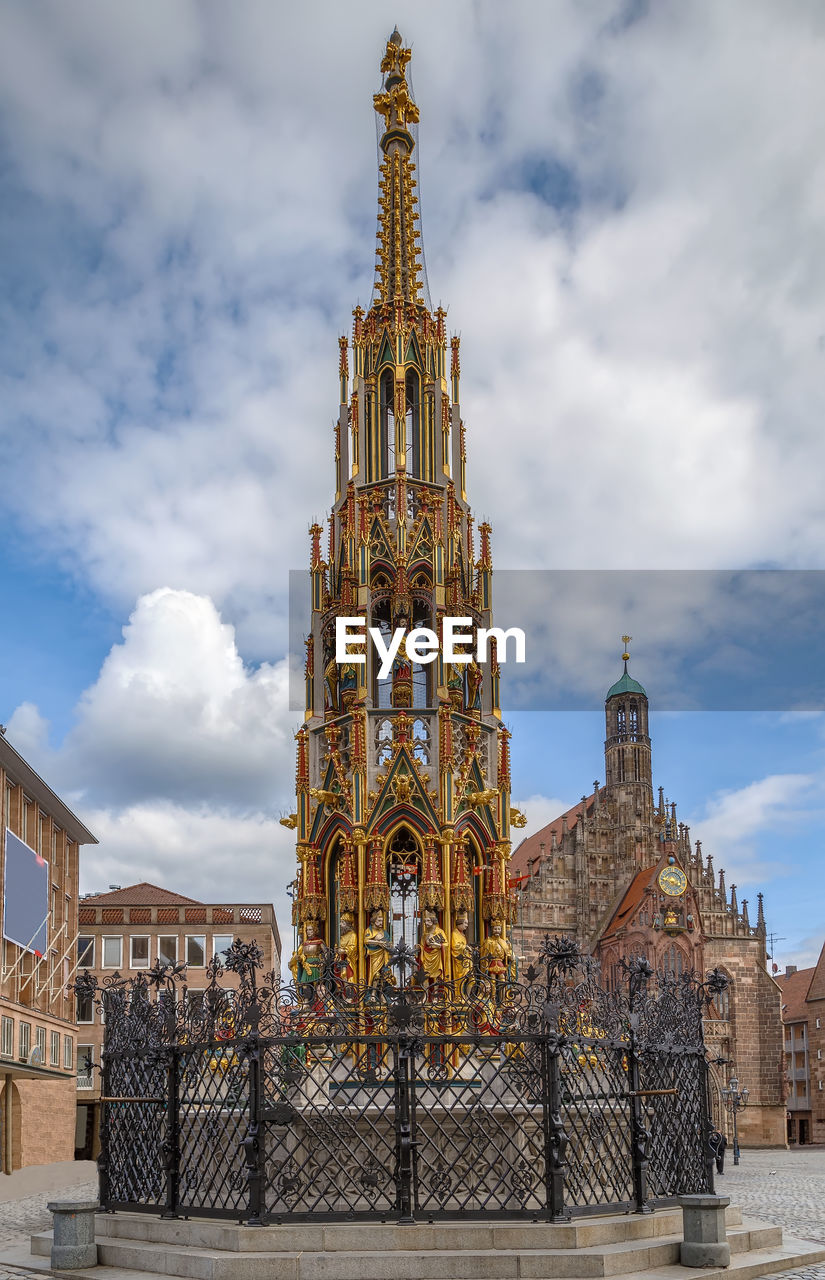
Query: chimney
[790,970]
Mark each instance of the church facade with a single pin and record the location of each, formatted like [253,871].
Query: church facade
[403,780]
[619,873]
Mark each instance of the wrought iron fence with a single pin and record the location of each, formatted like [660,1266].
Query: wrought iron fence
[538,1098]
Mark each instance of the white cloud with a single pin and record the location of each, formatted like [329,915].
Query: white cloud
[538,810]
[624,213]
[28,731]
[202,851]
[195,220]
[175,713]
[181,761]
[734,822]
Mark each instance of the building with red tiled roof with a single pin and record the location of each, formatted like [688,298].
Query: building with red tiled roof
[618,872]
[138,895]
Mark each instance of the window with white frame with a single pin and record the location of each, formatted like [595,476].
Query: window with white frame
[7,1037]
[54,1049]
[168,948]
[86,951]
[112,952]
[221,942]
[139,952]
[25,1043]
[85,1007]
[194,1002]
[85,1066]
[67,1052]
[40,1043]
[196,950]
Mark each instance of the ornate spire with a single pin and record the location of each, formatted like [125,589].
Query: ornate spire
[398,269]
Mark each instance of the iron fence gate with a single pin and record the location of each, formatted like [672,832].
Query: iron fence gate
[533,1099]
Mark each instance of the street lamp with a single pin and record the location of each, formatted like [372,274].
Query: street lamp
[736,1100]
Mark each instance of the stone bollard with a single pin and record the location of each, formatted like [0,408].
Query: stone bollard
[74,1234]
[706,1238]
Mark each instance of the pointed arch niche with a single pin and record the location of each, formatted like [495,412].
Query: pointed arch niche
[404,865]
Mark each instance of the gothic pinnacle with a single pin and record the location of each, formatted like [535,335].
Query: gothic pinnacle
[398,269]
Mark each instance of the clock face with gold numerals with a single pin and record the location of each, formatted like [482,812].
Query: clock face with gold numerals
[672,881]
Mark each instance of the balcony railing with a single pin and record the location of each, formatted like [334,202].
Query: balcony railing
[85,1080]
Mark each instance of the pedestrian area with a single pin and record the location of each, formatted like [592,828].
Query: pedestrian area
[785,1187]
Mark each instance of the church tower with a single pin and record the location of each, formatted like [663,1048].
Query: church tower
[627,760]
[403,780]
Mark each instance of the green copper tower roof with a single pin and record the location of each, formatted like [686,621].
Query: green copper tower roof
[625,684]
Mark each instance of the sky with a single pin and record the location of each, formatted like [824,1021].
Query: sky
[622,207]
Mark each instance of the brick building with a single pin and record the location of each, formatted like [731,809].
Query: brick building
[39,837]
[803,1013]
[618,872]
[794,985]
[127,930]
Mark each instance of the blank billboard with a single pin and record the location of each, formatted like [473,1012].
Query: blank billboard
[25,896]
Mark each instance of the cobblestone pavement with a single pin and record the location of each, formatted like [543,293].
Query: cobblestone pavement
[19,1218]
[786,1187]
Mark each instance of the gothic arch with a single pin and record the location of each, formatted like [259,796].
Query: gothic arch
[672,959]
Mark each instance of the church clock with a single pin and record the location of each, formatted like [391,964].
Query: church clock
[672,881]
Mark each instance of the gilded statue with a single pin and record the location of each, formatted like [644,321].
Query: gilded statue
[474,682]
[432,951]
[347,953]
[307,962]
[378,944]
[497,955]
[460,951]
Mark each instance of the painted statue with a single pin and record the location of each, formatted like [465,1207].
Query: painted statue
[460,951]
[307,963]
[378,944]
[432,952]
[348,684]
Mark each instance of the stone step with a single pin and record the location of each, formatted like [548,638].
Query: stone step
[363,1237]
[506,1262]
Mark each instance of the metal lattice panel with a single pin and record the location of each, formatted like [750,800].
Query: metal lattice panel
[503,1099]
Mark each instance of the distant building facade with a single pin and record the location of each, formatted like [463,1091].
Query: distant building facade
[794,985]
[617,871]
[803,1015]
[38,1038]
[125,931]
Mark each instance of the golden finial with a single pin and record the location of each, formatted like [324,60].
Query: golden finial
[626,641]
[395,103]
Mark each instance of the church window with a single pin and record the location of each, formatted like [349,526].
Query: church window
[634,721]
[421,742]
[720,1005]
[414,433]
[476,863]
[621,722]
[620,764]
[383,688]
[673,961]
[386,425]
[333,878]
[404,869]
[383,741]
[636,765]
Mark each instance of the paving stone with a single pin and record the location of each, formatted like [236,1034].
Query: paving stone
[784,1187]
